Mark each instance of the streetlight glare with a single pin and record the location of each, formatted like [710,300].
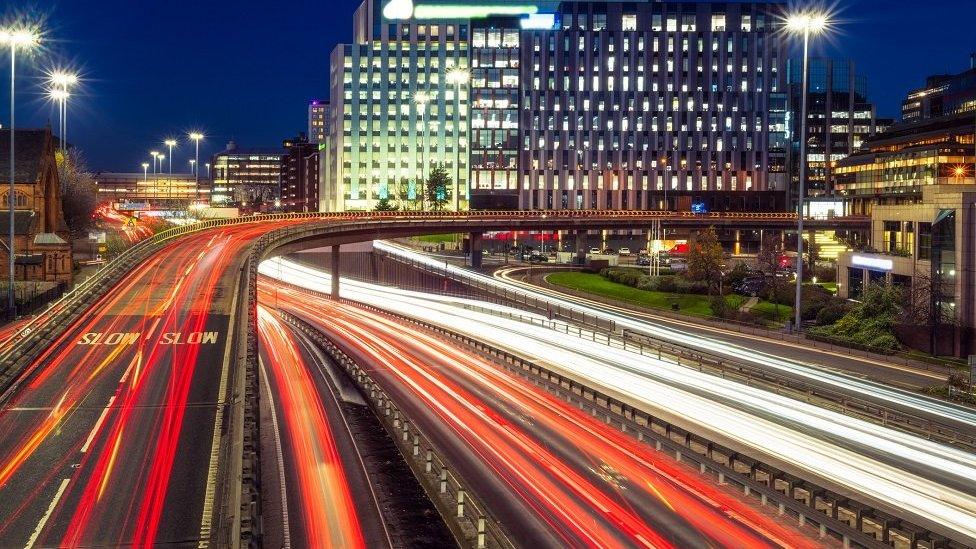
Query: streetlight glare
[807,22]
[196,136]
[19,37]
[458,76]
[63,78]
[58,95]
[170,142]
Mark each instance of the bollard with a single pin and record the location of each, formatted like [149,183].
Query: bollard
[803,520]
[745,490]
[782,509]
[460,502]
[416,445]
[762,498]
[823,531]
[701,468]
[721,477]
[657,445]
[443,480]
[430,462]
[481,532]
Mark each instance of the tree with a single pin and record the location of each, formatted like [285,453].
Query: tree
[705,260]
[385,205]
[78,192]
[437,187]
[768,261]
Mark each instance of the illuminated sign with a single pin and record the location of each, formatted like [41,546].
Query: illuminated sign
[875,263]
[405,9]
[539,21]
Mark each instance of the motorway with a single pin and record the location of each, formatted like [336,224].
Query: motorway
[895,471]
[744,350]
[109,438]
[552,474]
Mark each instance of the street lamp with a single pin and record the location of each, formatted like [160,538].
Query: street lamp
[26,39]
[155,156]
[61,81]
[207,164]
[421,99]
[458,77]
[806,23]
[193,166]
[196,137]
[145,172]
[170,143]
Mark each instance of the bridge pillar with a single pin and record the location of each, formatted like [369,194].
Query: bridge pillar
[580,247]
[476,253]
[335,272]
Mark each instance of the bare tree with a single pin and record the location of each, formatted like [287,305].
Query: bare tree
[78,192]
[768,261]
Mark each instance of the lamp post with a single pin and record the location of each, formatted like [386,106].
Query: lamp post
[155,156]
[421,99]
[61,81]
[805,24]
[458,77]
[193,166]
[170,143]
[196,137]
[207,164]
[14,38]
[145,172]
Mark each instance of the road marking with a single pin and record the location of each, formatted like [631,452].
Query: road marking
[47,515]
[286,543]
[98,424]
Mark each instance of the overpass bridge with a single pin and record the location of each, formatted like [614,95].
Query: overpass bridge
[155,358]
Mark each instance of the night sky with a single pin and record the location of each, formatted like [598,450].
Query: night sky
[245,69]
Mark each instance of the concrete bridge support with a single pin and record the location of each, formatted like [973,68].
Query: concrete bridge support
[476,250]
[580,247]
[335,272]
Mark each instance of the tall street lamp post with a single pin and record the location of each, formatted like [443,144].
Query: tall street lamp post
[170,143]
[61,81]
[196,137]
[145,171]
[421,99]
[805,24]
[14,38]
[458,77]
[155,156]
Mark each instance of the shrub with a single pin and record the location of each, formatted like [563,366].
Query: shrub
[668,284]
[720,307]
[833,311]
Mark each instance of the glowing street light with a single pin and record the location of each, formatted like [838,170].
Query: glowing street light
[14,39]
[155,155]
[170,143]
[196,137]
[459,77]
[145,171]
[193,166]
[61,81]
[421,99]
[207,164]
[805,23]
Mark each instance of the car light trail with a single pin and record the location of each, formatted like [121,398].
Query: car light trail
[890,396]
[923,478]
[585,480]
[330,518]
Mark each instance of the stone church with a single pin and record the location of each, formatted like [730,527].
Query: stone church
[42,251]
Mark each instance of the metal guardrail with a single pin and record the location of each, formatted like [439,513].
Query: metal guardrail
[466,516]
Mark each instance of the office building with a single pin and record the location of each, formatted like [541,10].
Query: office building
[393,113]
[943,95]
[898,164]
[245,177]
[300,175]
[317,113]
[839,119]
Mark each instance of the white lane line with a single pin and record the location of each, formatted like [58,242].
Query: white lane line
[47,515]
[98,425]
[286,543]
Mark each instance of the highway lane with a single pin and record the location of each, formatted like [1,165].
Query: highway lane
[553,474]
[109,437]
[329,498]
[909,401]
[877,370]
[866,461]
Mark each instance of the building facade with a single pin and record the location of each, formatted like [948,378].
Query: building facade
[317,115]
[42,251]
[300,175]
[245,177]
[897,165]
[943,95]
[393,114]
[839,119]
[615,105]
[150,191]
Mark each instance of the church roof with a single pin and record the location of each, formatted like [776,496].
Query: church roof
[29,150]
[48,238]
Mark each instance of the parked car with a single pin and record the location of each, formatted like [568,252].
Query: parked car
[624,251]
[595,251]
[644,261]
[609,251]
[536,257]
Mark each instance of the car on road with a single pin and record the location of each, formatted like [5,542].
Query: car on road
[624,251]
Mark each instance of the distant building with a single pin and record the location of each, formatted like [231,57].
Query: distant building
[839,119]
[245,177]
[898,164]
[42,250]
[139,190]
[317,114]
[943,95]
[300,175]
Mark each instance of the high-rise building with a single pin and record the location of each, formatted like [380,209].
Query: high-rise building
[943,95]
[245,177]
[300,175]
[839,118]
[317,113]
[616,105]
[393,114]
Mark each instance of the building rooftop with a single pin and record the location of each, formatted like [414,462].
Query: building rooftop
[29,150]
